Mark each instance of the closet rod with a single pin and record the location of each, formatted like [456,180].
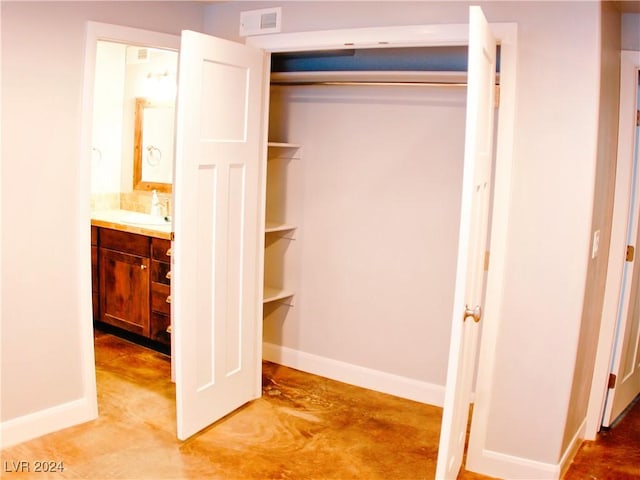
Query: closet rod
[383,78]
[373,83]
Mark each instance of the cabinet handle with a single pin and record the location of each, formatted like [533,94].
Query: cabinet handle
[169,299]
[168,275]
[169,252]
[143,267]
[168,329]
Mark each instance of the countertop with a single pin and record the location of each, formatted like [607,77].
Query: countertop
[114,219]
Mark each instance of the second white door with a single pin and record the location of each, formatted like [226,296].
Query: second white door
[474,217]
[625,363]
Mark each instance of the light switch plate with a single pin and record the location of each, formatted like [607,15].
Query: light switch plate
[596,244]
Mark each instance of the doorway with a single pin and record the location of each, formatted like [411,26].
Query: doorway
[99,178]
[617,355]
[131,175]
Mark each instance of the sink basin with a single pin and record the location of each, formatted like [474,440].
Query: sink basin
[136,218]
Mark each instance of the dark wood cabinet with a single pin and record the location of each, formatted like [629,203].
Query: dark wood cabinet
[124,289]
[131,282]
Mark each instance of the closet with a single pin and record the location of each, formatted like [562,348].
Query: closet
[367,264]
[375,200]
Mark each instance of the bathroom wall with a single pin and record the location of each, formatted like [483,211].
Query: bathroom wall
[120,79]
[106,141]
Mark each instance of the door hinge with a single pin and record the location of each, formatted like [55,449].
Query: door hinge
[630,253]
[497,96]
[486,260]
[475,313]
[612,380]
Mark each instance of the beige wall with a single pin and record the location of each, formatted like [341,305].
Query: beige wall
[558,91]
[610,30]
[377,198]
[42,212]
[631,31]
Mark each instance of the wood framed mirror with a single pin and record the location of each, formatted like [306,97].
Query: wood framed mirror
[153,149]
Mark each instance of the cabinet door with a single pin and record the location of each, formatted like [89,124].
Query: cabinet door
[124,288]
[219,225]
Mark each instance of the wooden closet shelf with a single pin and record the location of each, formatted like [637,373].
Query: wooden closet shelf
[272,294]
[282,145]
[271,227]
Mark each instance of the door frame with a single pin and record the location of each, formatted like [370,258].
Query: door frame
[479,457]
[629,66]
[95,32]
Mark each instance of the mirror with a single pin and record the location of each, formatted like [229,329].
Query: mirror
[153,145]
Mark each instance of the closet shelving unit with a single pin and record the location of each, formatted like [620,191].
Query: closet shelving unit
[279,228]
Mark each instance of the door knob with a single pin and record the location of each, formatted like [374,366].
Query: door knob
[475,313]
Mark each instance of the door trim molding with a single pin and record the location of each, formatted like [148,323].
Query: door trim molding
[479,458]
[629,65]
[133,36]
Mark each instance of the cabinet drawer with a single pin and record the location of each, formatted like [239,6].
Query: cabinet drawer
[160,249]
[124,242]
[159,295]
[158,330]
[160,272]
[95,302]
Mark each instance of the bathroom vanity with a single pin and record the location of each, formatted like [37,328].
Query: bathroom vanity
[131,275]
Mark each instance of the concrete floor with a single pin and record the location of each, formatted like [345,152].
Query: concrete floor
[303,427]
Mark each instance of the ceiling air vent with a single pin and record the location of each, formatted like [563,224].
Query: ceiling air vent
[256,22]
[137,55]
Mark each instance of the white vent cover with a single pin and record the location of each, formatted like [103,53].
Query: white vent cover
[256,22]
[137,55]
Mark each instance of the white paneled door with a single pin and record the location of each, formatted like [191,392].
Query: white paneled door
[476,193]
[625,357]
[218,222]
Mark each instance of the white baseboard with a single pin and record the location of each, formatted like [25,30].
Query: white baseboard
[572,449]
[399,386]
[500,465]
[46,421]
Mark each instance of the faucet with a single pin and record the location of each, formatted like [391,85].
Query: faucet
[167,210]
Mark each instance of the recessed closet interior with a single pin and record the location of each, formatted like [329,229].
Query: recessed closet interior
[370,182]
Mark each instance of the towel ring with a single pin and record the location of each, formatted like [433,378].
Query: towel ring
[154,156]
